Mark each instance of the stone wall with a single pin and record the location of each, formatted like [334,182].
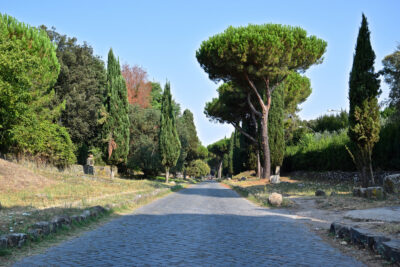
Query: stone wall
[74,169]
[338,176]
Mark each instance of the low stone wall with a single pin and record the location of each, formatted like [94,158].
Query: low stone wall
[74,169]
[339,176]
[383,245]
[44,228]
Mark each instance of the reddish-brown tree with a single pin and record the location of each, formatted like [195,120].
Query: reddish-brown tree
[139,88]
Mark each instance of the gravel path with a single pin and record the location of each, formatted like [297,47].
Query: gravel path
[205,225]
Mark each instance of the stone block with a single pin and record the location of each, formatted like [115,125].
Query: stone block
[44,226]
[376,193]
[391,250]
[35,233]
[275,179]
[3,242]
[275,199]
[365,238]
[391,183]
[60,220]
[320,193]
[340,230]
[85,214]
[16,239]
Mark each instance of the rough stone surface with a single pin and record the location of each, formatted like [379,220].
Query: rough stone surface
[61,220]
[391,183]
[340,230]
[376,192]
[204,225]
[44,226]
[391,250]
[275,199]
[3,242]
[275,179]
[386,214]
[243,179]
[320,193]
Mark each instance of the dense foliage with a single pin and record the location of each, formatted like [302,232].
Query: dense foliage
[330,123]
[364,115]
[143,153]
[198,168]
[80,86]
[28,70]
[169,143]
[116,120]
[391,71]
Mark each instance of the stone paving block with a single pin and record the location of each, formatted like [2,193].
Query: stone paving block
[205,225]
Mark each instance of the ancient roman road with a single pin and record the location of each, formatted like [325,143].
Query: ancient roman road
[205,225]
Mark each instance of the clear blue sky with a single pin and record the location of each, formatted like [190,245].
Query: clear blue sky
[162,37]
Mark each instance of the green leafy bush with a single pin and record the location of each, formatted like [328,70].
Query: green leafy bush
[44,141]
[198,168]
[319,152]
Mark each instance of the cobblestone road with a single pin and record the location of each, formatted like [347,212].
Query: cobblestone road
[205,225]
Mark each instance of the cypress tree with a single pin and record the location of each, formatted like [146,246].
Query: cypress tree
[169,143]
[364,123]
[276,130]
[116,124]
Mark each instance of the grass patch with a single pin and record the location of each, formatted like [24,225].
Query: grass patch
[258,191]
[40,195]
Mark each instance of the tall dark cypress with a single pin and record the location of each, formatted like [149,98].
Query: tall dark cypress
[116,124]
[276,129]
[364,123]
[169,143]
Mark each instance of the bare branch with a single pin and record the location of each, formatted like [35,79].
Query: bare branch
[254,111]
[237,127]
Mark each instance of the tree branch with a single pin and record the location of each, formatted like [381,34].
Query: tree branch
[237,127]
[254,111]
[252,86]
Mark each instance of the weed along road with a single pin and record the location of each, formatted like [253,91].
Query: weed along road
[205,225]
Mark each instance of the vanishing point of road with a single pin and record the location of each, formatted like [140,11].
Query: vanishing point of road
[204,225]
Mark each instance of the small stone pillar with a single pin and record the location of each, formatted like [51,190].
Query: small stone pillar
[89,167]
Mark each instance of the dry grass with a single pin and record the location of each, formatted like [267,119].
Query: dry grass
[14,177]
[28,196]
[259,189]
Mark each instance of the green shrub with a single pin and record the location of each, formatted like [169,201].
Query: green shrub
[198,168]
[319,152]
[327,152]
[45,141]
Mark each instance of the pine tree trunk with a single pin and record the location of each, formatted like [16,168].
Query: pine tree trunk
[220,170]
[166,174]
[258,165]
[266,164]
[364,176]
